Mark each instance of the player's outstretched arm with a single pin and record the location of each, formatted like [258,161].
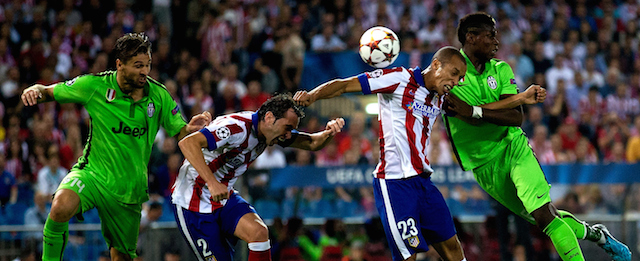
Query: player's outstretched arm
[318,140]
[534,94]
[37,93]
[328,90]
[196,123]
[476,114]
[191,147]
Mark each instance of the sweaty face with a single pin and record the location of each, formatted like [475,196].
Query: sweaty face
[136,69]
[280,129]
[449,75]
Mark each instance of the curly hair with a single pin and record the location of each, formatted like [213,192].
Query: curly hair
[130,45]
[475,23]
[279,105]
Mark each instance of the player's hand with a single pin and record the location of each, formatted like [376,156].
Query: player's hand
[303,98]
[31,95]
[199,121]
[453,105]
[335,126]
[534,94]
[218,191]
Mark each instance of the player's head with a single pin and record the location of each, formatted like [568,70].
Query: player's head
[477,32]
[278,117]
[447,68]
[133,58]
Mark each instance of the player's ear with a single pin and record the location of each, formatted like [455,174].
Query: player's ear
[269,117]
[119,63]
[435,64]
[469,38]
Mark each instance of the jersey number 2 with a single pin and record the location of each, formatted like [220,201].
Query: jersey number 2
[203,244]
[408,228]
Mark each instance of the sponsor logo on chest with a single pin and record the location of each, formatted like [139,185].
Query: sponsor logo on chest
[128,131]
[422,109]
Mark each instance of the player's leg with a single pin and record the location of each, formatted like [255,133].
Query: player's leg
[72,197]
[436,223]
[532,189]
[450,249]
[204,235]
[241,220]
[120,225]
[56,228]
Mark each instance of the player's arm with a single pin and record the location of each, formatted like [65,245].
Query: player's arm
[475,114]
[534,94]
[191,147]
[196,123]
[318,140]
[328,90]
[37,93]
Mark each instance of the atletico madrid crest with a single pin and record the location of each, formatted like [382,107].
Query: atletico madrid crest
[111,94]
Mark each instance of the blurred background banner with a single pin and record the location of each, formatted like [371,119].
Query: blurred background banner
[355,176]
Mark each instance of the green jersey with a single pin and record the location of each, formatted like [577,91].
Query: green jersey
[122,131]
[476,145]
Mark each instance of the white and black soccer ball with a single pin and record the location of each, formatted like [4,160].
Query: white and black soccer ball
[379,47]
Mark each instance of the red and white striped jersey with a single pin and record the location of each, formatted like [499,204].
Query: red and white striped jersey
[407,110]
[232,145]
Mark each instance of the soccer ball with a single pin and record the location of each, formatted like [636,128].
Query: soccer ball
[379,47]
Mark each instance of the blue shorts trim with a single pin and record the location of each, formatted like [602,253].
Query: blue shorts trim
[414,214]
[210,235]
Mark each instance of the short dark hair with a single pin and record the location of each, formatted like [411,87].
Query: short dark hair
[475,22]
[130,45]
[279,105]
[445,54]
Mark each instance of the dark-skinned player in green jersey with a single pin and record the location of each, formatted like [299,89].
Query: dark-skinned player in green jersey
[127,108]
[492,144]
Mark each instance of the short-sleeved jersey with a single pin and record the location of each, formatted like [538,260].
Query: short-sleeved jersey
[122,131]
[232,144]
[407,110]
[476,145]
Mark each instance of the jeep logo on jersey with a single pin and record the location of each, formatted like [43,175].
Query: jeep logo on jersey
[493,84]
[111,94]
[151,109]
[126,130]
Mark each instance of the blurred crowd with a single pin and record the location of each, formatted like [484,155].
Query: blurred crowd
[229,55]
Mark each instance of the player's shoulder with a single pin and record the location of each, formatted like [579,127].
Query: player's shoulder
[500,64]
[240,119]
[157,87]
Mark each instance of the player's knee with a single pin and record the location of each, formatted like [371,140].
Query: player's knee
[65,204]
[544,215]
[261,233]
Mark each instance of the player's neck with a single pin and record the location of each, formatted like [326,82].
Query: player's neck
[478,63]
[427,78]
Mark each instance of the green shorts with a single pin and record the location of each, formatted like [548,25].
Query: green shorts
[120,222]
[514,178]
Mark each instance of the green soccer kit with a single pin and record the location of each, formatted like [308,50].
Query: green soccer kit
[111,175]
[500,156]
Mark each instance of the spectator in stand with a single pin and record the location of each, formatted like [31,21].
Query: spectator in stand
[534,118]
[8,187]
[622,104]
[227,101]
[613,131]
[272,157]
[558,72]
[541,145]
[569,134]
[585,152]
[255,96]
[578,89]
[329,156]
[198,99]
[557,107]
[293,56]
[231,79]
[36,215]
[633,145]
[50,176]
[327,41]
[356,132]
[439,149]
[593,106]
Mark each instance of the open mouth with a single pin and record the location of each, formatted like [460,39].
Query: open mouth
[447,88]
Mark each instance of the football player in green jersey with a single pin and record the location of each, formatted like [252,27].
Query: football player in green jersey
[491,143]
[127,108]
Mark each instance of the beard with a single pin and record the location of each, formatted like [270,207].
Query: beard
[133,81]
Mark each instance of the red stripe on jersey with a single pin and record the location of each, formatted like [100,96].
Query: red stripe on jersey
[407,100]
[383,162]
[425,129]
[392,70]
[389,89]
[194,204]
[241,118]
